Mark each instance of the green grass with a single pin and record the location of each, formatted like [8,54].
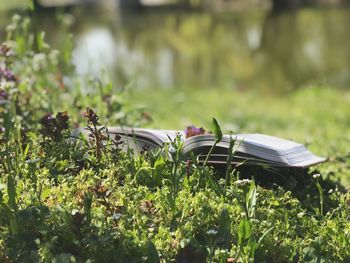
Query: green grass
[316,116]
[63,201]
[13,4]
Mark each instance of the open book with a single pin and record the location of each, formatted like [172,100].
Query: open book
[249,148]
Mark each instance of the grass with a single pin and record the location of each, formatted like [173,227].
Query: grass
[63,200]
[316,116]
[7,5]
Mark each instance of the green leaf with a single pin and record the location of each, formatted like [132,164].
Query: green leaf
[40,40]
[224,229]
[244,231]
[262,237]
[159,164]
[31,5]
[2,187]
[11,191]
[152,252]
[63,258]
[251,199]
[87,206]
[217,130]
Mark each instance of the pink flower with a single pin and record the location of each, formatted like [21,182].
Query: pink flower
[193,131]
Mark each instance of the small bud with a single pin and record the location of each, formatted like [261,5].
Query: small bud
[242,182]
[316,176]
[212,232]
[300,215]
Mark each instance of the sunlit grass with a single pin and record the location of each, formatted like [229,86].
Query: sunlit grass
[316,116]
[64,201]
[11,4]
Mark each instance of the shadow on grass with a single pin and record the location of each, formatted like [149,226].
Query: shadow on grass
[299,182]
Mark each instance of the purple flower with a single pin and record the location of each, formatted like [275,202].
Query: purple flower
[3,95]
[46,119]
[53,127]
[193,131]
[62,120]
[7,75]
[91,116]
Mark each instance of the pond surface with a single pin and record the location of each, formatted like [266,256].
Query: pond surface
[242,50]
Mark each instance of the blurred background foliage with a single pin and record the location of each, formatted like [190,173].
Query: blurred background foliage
[243,48]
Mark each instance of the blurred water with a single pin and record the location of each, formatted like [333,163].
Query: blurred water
[243,50]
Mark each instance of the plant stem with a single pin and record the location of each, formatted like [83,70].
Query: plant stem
[209,153]
[228,164]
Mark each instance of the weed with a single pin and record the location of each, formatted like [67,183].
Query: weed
[97,134]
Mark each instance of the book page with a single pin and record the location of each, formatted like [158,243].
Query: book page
[282,146]
[264,147]
[156,136]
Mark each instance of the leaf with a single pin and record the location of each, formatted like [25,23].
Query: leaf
[11,191]
[25,153]
[251,199]
[224,229]
[31,5]
[87,206]
[40,38]
[174,223]
[244,231]
[63,258]
[217,130]
[262,237]
[172,204]
[152,253]
[159,167]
